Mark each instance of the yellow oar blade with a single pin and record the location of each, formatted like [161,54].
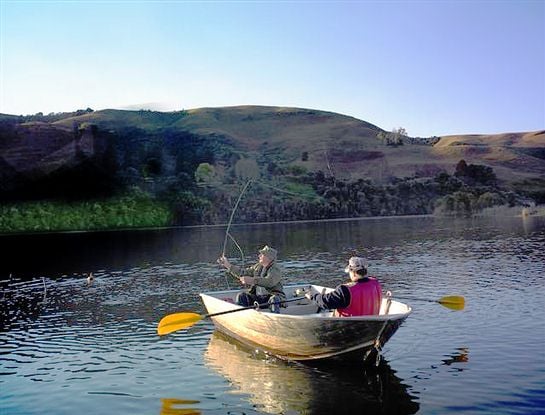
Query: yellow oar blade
[177,321]
[168,407]
[454,302]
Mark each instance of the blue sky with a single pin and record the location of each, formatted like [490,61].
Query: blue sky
[432,67]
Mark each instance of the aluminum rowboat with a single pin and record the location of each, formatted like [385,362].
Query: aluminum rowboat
[301,331]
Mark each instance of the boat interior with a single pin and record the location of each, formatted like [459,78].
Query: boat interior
[297,304]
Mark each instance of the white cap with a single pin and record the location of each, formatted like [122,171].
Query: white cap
[356,263]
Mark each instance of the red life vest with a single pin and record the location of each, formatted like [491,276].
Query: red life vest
[365,299]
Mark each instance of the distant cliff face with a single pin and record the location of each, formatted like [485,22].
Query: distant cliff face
[98,153]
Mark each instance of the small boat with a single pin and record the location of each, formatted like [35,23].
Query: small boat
[302,332]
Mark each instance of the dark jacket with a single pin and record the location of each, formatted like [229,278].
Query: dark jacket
[269,278]
[339,298]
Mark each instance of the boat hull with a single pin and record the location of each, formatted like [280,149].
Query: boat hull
[297,334]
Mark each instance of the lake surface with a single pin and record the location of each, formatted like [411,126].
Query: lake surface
[69,347]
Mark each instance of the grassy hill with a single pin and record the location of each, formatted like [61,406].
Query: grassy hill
[101,154]
[351,144]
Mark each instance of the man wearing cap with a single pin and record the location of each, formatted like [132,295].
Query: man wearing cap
[361,296]
[264,279]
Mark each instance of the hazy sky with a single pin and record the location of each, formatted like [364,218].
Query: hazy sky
[432,67]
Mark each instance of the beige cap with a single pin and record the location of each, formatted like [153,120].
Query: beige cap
[269,252]
[356,263]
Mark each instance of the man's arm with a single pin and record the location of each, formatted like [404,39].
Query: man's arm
[240,272]
[340,298]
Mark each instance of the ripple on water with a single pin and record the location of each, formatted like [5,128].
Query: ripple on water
[94,348]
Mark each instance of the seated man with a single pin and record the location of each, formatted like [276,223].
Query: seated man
[264,279]
[361,296]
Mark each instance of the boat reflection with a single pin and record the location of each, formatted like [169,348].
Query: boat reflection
[275,386]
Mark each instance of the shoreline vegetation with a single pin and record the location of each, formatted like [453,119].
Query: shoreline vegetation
[56,216]
[306,197]
[142,224]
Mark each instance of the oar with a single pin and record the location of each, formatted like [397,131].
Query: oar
[454,302]
[179,321]
[169,407]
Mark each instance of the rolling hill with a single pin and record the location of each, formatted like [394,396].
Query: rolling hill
[89,154]
[349,146]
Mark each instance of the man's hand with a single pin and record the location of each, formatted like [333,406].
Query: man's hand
[222,260]
[247,280]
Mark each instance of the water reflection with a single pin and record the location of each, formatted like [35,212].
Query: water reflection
[531,224]
[276,387]
[93,347]
[56,254]
[461,356]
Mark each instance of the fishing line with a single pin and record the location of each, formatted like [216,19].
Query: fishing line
[242,256]
[239,248]
[233,214]
[228,234]
[284,191]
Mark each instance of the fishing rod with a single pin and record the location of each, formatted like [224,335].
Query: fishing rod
[233,214]
[235,207]
[228,235]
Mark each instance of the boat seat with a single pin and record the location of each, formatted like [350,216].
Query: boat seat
[300,308]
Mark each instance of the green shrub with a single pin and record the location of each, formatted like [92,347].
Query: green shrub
[134,210]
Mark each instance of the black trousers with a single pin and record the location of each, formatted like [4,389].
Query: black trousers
[246,299]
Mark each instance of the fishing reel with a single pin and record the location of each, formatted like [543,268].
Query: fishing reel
[300,292]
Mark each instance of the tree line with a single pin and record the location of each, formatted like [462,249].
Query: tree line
[469,190]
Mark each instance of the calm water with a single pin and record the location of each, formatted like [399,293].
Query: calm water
[68,347]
